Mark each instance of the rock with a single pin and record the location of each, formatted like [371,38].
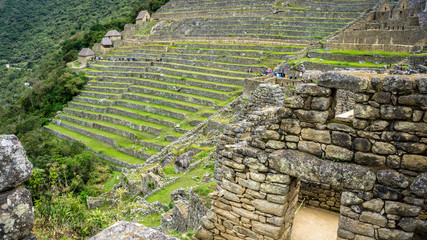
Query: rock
[275,144]
[408,224]
[320,103]
[396,84]
[369,159]
[374,205]
[182,162]
[204,234]
[341,139]
[382,97]
[402,209]
[387,193]
[383,148]
[127,231]
[179,194]
[421,84]
[16,214]
[419,186]
[310,147]
[392,178]
[322,136]
[366,111]
[413,100]
[361,144]
[342,81]
[391,112]
[338,153]
[356,226]
[266,229]
[394,234]
[414,162]
[312,89]
[350,198]
[15,168]
[300,164]
[312,116]
[290,126]
[373,218]
[268,207]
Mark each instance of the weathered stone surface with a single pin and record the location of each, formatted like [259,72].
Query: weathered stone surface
[294,102]
[394,234]
[275,144]
[414,162]
[249,184]
[16,214]
[15,168]
[232,187]
[245,213]
[387,193]
[373,218]
[396,84]
[299,164]
[322,136]
[381,97]
[341,139]
[410,126]
[421,84]
[362,144]
[274,188]
[408,224]
[356,226]
[379,125]
[402,209]
[374,205]
[204,234]
[320,103]
[419,186]
[278,178]
[312,89]
[350,198]
[339,153]
[182,162]
[312,116]
[366,111]
[270,134]
[416,148]
[206,223]
[399,137]
[342,81]
[266,229]
[391,112]
[383,148]
[126,231]
[414,100]
[369,159]
[290,126]
[268,207]
[392,178]
[310,147]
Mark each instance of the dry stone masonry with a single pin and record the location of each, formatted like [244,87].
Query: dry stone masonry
[376,165]
[16,206]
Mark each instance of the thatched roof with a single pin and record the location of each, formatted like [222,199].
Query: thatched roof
[86,52]
[141,15]
[106,42]
[113,33]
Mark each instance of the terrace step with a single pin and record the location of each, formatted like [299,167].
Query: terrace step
[136,95]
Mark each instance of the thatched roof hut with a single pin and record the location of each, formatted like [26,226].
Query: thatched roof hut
[106,42]
[142,15]
[86,52]
[113,33]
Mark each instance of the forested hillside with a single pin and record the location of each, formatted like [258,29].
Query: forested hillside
[31,28]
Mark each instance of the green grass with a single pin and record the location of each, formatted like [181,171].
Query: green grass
[366,53]
[184,181]
[336,63]
[112,181]
[96,145]
[152,220]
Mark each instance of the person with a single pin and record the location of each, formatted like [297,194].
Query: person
[275,74]
[300,74]
[290,77]
[269,70]
[263,72]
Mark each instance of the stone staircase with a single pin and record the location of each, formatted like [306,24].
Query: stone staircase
[169,75]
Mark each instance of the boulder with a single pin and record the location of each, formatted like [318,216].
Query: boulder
[182,162]
[126,231]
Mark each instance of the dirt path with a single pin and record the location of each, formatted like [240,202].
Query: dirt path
[315,224]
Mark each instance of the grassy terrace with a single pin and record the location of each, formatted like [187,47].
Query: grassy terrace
[336,63]
[366,53]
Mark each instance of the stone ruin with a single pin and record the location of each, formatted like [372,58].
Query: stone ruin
[377,162]
[16,205]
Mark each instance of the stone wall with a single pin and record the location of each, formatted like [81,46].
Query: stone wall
[378,160]
[16,212]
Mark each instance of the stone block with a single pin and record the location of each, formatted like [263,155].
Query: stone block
[249,184]
[414,100]
[419,186]
[383,148]
[414,162]
[394,234]
[280,199]
[341,139]
[373,218]
[396,84]
[269,134]
[245,213]
[421,84]
[275,144]
[381,97]
[356,226]
[291,126]
[310,147]
[402,209]
[267,229]
[232,187]
[300,164]
[312,89]
[369,159]
[312,116]
[339,153]
[399,137]
[410,126]
[408,224]
[322,136]
[269,207]
[278,178]
[361,144]
[259,177]
[246,232]
[392,178]
[294,102]
[342,81]
[320,103]
[387,193]
[366,111]
[15,168]
[415,148]
[375,205]
[391,112]
[350,198]
[379,125]
[274,188]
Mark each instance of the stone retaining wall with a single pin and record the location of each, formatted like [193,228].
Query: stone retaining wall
[379,161]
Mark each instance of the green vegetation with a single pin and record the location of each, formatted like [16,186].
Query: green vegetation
[366,53]
[335,63]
